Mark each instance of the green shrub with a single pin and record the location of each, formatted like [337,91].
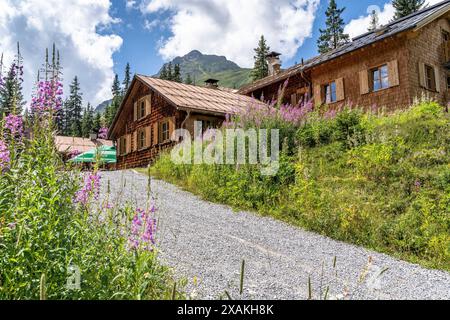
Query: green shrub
[373,180]
[44,234]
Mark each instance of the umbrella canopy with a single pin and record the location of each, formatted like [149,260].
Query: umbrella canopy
[104,154]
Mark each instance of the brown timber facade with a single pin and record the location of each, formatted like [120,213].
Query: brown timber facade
[387,68]
[152,109]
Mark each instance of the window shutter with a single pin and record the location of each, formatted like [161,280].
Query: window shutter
[118,146]
[317,95]
[422,75]
[294,99]
[363,82]
[393,73]
[148,105]
[340,93]
[437,76]
[135,142]
[128,143]
[135,111]
[155,133]
[171,126]
[148,136]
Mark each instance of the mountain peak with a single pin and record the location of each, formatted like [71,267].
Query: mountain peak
[194,54]
[201,66]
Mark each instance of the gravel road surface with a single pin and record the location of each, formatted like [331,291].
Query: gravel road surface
[205,243]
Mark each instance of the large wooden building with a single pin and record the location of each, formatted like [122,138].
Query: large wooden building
[388,67]
[153,108]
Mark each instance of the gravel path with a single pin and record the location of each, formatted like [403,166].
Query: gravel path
[206,243]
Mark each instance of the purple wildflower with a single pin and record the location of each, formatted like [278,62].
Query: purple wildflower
[48,98]
[103,133]
[417,184]
[90,189]
[142,231]
[4,156]
[14,124]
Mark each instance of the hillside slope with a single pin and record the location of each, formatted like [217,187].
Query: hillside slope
[380,181]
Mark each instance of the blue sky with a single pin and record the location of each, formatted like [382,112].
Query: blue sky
[96,38]
[140,46]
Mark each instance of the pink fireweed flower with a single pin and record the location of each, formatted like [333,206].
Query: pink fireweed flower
[91,188]
[4,156]
[103,133]
[14,124]
[142,230]
[48,98]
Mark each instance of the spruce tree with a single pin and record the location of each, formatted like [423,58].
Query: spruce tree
[374,21]
[163,73]
[88,121]
[333,36]
[188,79]
[116,90]
[97,122]
[177,74]
[116,101]
[75,108]
[11,96]
[126,80]
[169,72]
[66,123]
[8,92]
[406,7]
[261,68]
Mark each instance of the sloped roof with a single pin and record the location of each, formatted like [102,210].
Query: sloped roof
[191,98]
[69,144]
[201,99]
[412,21]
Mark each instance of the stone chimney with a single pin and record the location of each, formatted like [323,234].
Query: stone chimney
[212,84]
[274,62]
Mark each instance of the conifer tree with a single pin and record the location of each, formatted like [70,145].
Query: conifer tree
[333,36]
[169,72]
[87,125]
[75,108]
[126,80]
[116,90]
[177,74]
[406,7]
[188,79]
[66,123]
[116,101]
[261,68]
[97,122]
[163,73]
[374,21]
[11,96]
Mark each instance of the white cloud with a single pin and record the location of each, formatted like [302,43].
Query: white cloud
[73,25]
[233,27]
[130,4]
[360,25]
[150,25]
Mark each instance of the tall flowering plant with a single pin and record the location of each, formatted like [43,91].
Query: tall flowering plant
[142,230]
[48,99]
[275,114]
[103,133]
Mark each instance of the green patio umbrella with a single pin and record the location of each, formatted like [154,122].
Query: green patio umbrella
[106,154]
